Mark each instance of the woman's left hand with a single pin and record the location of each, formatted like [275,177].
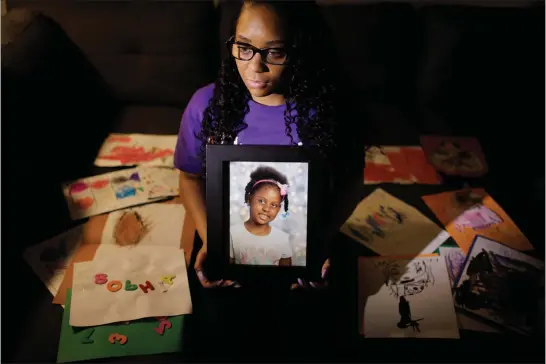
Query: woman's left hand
[302,283]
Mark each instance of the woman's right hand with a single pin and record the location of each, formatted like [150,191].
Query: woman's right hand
[198,266]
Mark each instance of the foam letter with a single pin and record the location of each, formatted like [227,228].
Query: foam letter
[129,286]
[146,287]
[168,279]
[101,278]
[122,339]
[87,337]
[114,286]
[165,324]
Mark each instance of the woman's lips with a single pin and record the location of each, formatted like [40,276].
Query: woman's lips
[263,217]
[257,84]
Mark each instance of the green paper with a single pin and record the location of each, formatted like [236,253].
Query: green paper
[85,343]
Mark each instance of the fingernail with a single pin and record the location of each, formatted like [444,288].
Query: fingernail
[300,282]
[237,285]
[312,285]
[219,283]
[323,273]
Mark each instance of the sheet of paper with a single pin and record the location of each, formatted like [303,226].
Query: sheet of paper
[389,226]
[162,181]
[461,156]
[50,259]
[455,259]
[137,149]
[112,191]
[400,298]
[503,285]
[143,226]
[143,337]
[467,213]
[402,165]
[132,284]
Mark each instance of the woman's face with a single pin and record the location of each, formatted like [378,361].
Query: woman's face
[260,26]
[265,203]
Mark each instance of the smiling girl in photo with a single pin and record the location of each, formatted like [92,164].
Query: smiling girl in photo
[256,242]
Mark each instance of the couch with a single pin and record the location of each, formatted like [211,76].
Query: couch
[72,72]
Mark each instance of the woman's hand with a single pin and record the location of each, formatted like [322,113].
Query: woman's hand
[198,266]
[315,285]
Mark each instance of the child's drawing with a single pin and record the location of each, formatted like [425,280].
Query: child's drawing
[137,149]
[455,155]
[402,165]
[503,285]
[469,212]
[478,217]
[407,280]
[157,224]
[455,259]
[405,298]
[389,226]
[111,191]
[405,316]
[50,259]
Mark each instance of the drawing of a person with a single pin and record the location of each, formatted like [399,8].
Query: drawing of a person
[405,316]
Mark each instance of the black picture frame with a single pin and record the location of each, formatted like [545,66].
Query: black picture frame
[218,159]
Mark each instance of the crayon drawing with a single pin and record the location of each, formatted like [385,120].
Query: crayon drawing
[389,226]
[112,191]
[136,149]
[467,213]
[401,165]
[455,155]
[454,260]
[143,226]
[503,285]
[405,298]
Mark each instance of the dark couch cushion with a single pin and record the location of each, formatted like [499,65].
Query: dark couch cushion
[149,52]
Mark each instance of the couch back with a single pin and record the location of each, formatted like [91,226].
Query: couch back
[149,52]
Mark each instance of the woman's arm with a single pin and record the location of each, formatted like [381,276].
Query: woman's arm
[193,198]
[285,261]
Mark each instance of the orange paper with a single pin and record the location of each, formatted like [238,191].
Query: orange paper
[467,213]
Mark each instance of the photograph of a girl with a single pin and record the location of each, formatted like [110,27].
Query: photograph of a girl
[268,213]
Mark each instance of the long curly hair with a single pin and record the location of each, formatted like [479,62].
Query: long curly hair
[309,90]
[265,173]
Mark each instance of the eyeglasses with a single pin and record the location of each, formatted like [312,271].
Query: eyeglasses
[245,52]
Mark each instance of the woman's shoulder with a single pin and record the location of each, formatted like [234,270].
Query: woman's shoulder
[200,99]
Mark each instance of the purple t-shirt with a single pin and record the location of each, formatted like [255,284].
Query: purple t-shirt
[265,127]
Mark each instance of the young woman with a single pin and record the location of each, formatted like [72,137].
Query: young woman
[274,88]
[256,242]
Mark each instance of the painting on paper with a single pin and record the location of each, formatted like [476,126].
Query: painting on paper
[136,149]
[112,191]
[467,213]
[50,259]
[401,165]
[141,337]
[461,156]
[405,298]
[130,285]
[389,226]
[144,226]
[503,285]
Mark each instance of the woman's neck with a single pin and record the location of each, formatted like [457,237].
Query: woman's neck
[270,100]
[256,229]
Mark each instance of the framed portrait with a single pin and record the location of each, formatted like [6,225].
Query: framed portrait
[264,212]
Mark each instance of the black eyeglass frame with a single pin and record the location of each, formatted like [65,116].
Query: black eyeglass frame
[262,51]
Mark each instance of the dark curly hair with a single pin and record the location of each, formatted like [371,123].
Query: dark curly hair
[262,173]
[309,88]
